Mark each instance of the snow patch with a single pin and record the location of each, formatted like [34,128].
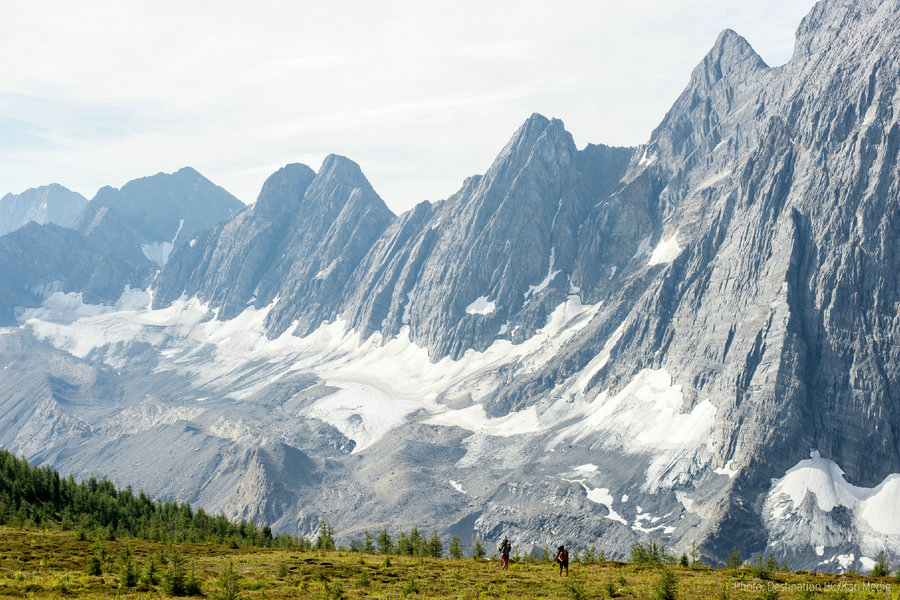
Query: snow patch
[602,497]
[820,550]
[646,414]
[361,412]
[481,306]
[474,418]
[159,252]
[665,252]
[457,486]
[588,468]
[866,563]
[727,469]
[551,274]
[845,560]
[407,310]
[647,158]
[874,508]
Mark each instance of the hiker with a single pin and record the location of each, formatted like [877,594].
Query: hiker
[562,557]
[504,550]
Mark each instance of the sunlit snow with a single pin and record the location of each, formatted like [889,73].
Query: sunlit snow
[665,252]
[823,478]
[159,252]
[537,289]
[481,306]
[602,497]
[381,384]
[728,469]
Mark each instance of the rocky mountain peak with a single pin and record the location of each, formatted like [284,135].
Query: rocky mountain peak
[283,190]
[158,212]
[46,204]
[731,58]
[334,187]
[340,169]
[537,133]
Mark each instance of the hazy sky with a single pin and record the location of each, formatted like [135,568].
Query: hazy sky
[420,93]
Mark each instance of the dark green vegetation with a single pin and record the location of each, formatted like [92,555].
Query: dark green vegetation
[38,497]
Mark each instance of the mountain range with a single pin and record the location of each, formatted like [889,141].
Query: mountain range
[693,340]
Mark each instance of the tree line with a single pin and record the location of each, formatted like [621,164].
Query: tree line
[38,497]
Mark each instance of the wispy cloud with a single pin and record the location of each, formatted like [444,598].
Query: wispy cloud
[420,94]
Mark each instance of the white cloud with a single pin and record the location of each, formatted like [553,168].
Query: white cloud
[420,94]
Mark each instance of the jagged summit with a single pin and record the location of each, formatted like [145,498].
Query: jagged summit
[283,190]
[731,57]
[334,185]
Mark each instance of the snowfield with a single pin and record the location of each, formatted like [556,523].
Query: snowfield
[378,384]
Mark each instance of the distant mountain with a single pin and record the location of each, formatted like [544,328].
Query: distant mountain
[154,214]
[47,204]
[300,242]
[39,260]
[692,340]
[117,240]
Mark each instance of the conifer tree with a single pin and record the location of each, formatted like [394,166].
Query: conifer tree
[384,541]
[435,547]
[456,550]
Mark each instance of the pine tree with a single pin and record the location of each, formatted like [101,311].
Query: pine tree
[416,542]
[403,544]
[435,547]
[881,568]
[456,550]
[478,550]
[228,584]
[666,587]
[734,560]
[384,541]
[325,540]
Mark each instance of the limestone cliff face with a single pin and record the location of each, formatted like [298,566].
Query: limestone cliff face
[300,243]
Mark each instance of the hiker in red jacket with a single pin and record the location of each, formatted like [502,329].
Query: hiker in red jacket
[504,549]
[562,557]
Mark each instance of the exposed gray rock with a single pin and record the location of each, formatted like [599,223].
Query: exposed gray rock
[155,213]
[47,204]
[37,260]
[225,265]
